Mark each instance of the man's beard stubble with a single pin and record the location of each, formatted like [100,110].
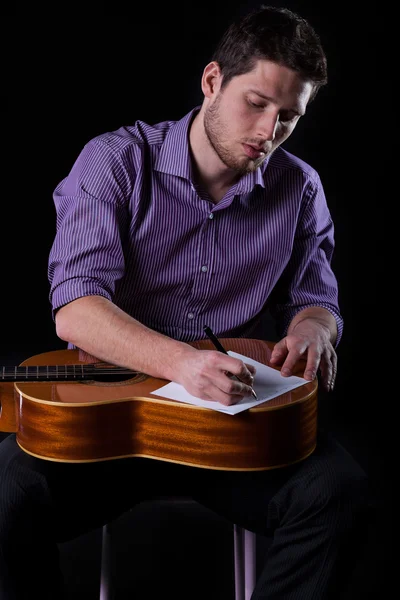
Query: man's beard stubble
[215,132]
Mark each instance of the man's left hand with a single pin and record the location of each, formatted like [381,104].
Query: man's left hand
[309,339]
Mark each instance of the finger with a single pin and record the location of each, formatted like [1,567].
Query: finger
[312,365]
[223,386]
[252,369]
[292,359]
[224,399]
[332,371]
[279,353]
[329,370]
[217,390]
[234,386]
[237,367]
[228,391]
[248,379]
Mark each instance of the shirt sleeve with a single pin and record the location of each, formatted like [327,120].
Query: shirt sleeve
[308,279]
[87,254]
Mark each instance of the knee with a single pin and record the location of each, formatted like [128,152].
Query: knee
[22,496]
[13,502]
[353,496]
[343,493]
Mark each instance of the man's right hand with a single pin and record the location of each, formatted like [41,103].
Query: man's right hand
[206,374]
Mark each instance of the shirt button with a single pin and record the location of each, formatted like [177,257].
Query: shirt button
[204,268]
[210,216]
[190,316]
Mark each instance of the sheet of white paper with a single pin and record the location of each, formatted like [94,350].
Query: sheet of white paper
[268,383]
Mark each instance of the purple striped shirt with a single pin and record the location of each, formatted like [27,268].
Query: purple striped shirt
[132,226]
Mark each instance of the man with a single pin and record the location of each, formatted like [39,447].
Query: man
[162,229]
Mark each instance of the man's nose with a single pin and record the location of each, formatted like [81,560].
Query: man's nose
[267,126]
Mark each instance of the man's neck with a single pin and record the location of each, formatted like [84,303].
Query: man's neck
[208,169]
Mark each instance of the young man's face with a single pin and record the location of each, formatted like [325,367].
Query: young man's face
[254,113]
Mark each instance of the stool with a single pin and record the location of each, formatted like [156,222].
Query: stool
[244,545]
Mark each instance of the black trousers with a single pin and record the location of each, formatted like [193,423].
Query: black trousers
[314,511]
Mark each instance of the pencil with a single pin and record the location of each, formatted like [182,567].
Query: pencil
[211,335]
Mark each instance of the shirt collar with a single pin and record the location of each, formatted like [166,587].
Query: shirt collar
[174,156]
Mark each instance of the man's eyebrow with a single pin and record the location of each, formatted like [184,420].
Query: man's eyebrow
[295,110]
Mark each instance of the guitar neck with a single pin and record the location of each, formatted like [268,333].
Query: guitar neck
[76,372]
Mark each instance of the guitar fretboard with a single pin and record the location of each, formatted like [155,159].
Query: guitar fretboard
[61,372]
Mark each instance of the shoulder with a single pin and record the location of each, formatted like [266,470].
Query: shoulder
[132,140]
[290,166]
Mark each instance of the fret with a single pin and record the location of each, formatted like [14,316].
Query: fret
[61,372]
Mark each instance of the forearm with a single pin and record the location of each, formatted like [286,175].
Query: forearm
[319,314]
[100,328]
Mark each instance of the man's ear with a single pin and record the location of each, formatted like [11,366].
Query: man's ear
[211,80]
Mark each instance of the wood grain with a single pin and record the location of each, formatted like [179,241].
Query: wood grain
[96,420]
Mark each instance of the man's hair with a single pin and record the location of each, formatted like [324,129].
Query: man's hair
[275,34]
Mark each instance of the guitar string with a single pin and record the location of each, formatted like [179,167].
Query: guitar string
[47,371]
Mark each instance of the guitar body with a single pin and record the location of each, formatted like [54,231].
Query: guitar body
[95,420]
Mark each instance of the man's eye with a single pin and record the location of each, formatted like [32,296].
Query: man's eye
[255,104]
[286,118]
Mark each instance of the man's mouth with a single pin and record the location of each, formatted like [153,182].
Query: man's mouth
[252,151]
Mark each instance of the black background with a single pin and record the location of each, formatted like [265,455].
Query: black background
[70,76]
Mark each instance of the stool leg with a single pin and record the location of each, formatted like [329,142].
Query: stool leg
[238,546]
[244,554]
[105,572]
[250,563]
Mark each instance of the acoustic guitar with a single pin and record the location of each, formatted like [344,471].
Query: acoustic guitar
[67,406]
